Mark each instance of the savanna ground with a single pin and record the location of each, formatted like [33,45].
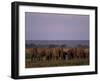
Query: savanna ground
[78,60]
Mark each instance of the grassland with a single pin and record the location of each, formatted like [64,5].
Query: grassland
[60,62]
[73,62]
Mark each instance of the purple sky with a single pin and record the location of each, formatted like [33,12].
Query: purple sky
[44,26]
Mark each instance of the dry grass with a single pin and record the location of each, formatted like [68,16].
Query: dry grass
[52,63]
[55,63]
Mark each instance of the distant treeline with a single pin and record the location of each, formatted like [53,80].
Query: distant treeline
[52,46]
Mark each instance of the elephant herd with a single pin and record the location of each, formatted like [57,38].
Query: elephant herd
[47,54]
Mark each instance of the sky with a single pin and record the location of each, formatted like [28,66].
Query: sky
[48,26]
